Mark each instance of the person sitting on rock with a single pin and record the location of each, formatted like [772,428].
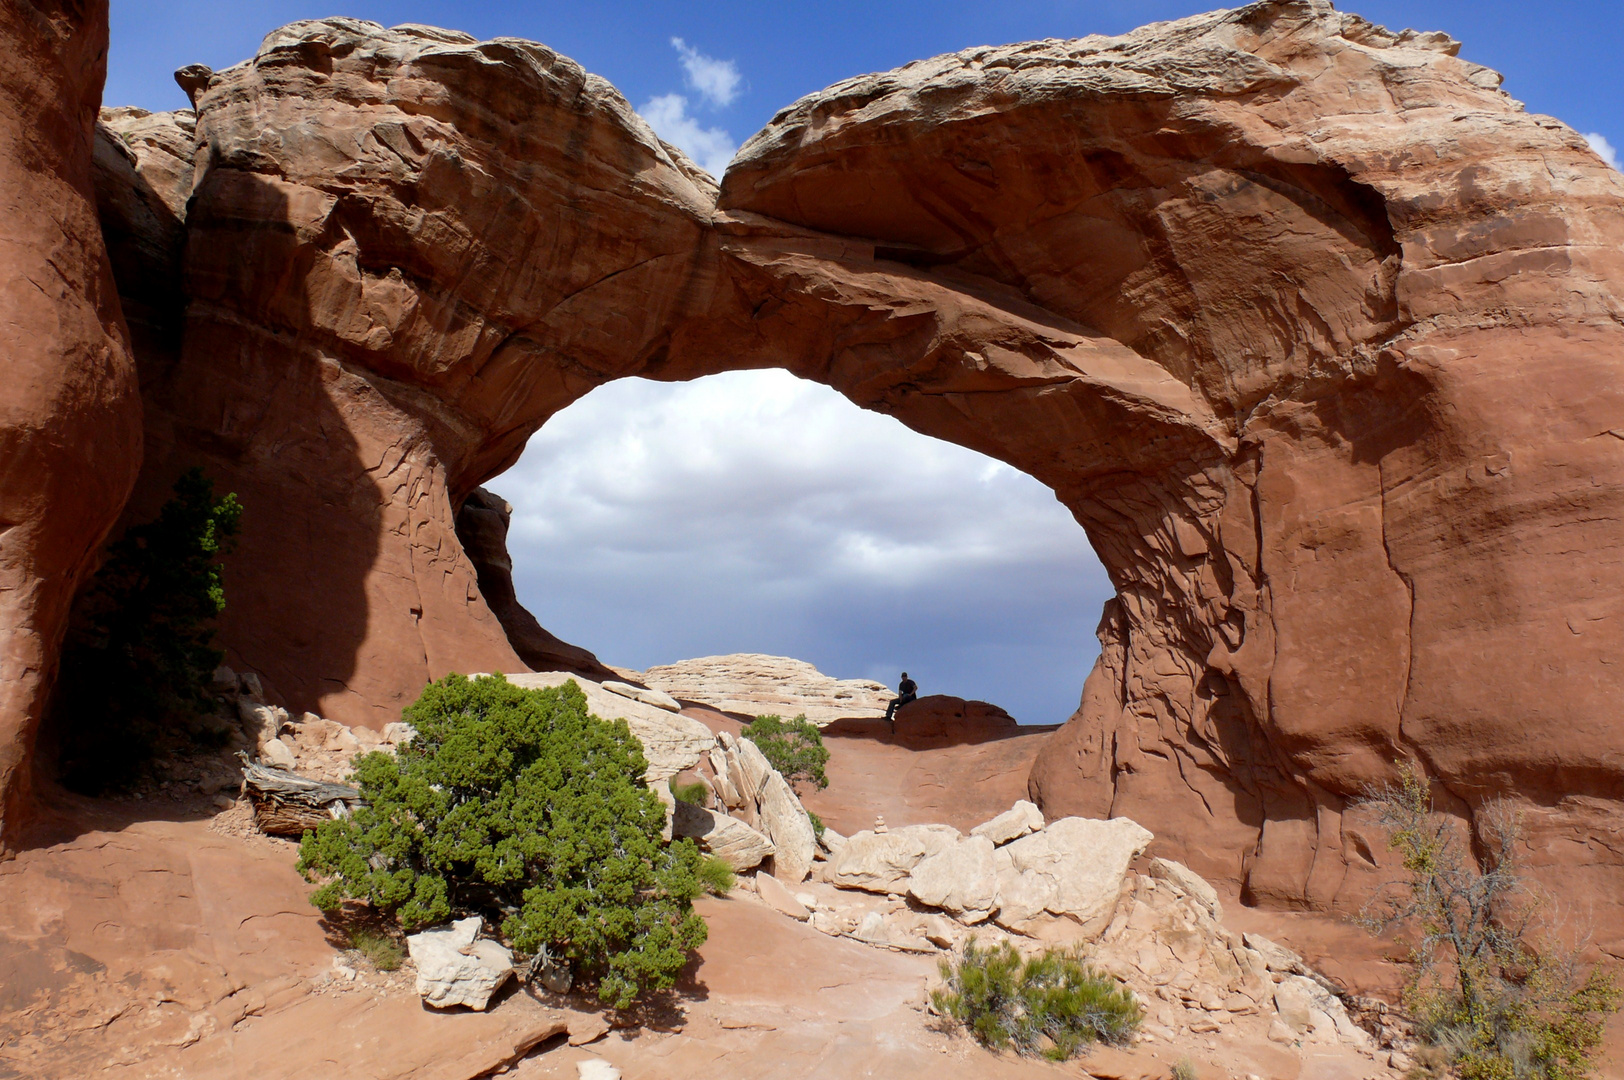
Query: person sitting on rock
[907,691]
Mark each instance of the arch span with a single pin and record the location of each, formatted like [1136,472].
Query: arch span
[1316,333]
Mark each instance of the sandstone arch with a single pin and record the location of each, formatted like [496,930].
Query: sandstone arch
[1314,330]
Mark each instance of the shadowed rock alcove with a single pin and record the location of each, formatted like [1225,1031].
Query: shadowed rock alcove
[1309,325]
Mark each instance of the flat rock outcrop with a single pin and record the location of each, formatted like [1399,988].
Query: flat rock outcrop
[70,411]
[1314,329]
[754,684]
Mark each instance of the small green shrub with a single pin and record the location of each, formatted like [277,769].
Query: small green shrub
[1184,1069]
[817,824]
[382,951]
[696,793]
[521,806]
[1500,1001]
[715,875]
[793,747]
[138,658]
[1053,1005]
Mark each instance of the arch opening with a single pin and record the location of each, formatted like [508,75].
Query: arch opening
[752,511]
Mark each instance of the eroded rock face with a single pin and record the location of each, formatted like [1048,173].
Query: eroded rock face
[1343,331]
[1315,331]
[382,227]
[70,415]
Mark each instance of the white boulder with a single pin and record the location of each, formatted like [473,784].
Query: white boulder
[1019,820]
[779,898]
[1074,867]
[787,825]
[657,698]
[883,862]
[961,880]
[454,968]
[728,838]
[278,754]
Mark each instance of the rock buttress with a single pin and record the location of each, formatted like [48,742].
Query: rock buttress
[70,414]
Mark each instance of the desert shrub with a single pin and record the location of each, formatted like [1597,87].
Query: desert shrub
[1184,1069]
[715,875]
[521,806]
[696,793]
[1501,999]
[138,657]
[1052,1005]
[382,951]
[793,747]
[817,824]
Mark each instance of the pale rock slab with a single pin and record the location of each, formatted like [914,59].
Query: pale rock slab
[596,1069]
[961,879]
[1019,820]
[1276,957]
[728,838]
[454,968]
[753,768]
[657,698]
[1190,883]
[883,862]
[1075,866]
[758,685]
[787,825]
[780,899]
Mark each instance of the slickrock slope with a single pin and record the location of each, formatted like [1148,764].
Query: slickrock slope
[755,684]
[70,417]
[1314,329]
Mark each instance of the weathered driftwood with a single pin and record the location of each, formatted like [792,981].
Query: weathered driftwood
[286,804]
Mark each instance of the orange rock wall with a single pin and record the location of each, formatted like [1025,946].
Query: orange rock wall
[70,416]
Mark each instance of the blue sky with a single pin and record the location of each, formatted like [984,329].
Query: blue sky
[745,513]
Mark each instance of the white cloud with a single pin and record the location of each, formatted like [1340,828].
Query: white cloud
[755,512]
[1598,142]
[711,147]
[716,80]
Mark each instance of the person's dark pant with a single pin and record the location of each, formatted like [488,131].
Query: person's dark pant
[897,703]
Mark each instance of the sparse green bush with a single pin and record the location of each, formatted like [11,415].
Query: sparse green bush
[793,747]
[817,824]
[382,951]
[1053,1005]
[138,658]
[1184,1069]
[521,806]
[696,793]
[1499,1004]
[715,875]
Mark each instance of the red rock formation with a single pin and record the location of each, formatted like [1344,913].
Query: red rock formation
[1315,331]
[70,418]
[380,225]
[1337,418]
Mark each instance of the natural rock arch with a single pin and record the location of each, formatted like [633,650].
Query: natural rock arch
[1313,329]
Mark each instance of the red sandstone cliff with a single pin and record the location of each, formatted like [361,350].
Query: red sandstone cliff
[70,417]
